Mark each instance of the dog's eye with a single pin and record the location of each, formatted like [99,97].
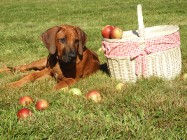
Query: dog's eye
[76,41]
[62,40]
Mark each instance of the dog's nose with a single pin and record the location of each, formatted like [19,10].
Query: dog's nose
[72,55]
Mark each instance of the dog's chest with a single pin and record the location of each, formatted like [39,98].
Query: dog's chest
[64,71]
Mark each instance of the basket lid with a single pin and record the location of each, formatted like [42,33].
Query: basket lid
[150,32]
[162,30]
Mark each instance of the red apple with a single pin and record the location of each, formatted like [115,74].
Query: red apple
[25,100]
[41,104]
[93,95]
[23,113]
[116,33]
[106,31]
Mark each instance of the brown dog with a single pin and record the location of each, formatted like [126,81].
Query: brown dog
[68,60]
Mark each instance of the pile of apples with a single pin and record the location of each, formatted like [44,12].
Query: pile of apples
[26,101]
[42,104]
[112,32]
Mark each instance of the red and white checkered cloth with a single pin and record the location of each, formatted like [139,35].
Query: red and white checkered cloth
[133,50]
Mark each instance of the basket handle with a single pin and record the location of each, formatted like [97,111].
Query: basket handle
[141,28]
[140,21]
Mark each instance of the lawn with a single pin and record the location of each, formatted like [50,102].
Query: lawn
[149,109]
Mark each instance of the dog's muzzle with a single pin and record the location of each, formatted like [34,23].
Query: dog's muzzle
[72,55]
[69,57]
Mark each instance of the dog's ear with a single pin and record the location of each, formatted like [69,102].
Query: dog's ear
[82,39]
[48,38]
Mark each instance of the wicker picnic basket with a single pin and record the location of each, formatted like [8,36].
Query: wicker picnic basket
[152,51]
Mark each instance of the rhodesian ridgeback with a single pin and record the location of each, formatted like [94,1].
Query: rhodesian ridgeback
[68,61]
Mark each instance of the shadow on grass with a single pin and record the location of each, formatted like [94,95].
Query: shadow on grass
[104,68]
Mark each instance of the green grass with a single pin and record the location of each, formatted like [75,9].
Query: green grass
[149,109]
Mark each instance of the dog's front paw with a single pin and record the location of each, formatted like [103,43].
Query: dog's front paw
[60,85]
[21,68]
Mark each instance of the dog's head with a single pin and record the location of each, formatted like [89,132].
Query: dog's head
[66,41]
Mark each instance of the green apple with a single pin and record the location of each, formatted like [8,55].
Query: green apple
[184,76]
[120,86]
[75,91]
[100,50]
